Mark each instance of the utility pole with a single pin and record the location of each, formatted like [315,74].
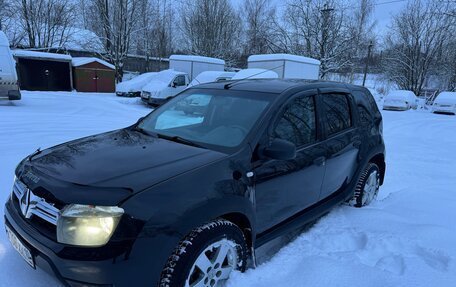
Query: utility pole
[325,13]
[369,49]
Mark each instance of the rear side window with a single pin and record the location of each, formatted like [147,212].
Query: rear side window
[297,124]
[337,110]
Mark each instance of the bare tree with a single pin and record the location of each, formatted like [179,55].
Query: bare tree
[361,27]
[259,17]
[114,22]
[319,29]
[415,43]
[46,23]
[211,28]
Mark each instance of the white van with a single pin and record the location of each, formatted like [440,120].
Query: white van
[163,86]
[445,103]
[9,88]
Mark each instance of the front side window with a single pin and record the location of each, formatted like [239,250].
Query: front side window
[297,124]
[179,81]
[337,110]
[211,118]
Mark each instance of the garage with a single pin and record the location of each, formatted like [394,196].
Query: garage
[93,75]
[39,71]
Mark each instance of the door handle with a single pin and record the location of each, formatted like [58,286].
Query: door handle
[320,161]
[357,143]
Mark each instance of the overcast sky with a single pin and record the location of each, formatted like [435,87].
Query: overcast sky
[384,9]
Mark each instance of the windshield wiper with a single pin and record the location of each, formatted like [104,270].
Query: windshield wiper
[178,139]
[143,131]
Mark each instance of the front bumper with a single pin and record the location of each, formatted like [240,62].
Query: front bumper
[129,94]
[139,265]
[156,102]
[444,109]
[395,108]
[12,95]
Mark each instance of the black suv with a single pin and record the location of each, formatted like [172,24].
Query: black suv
[185,196]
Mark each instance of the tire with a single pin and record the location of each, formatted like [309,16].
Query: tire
[366,189]
[184,266]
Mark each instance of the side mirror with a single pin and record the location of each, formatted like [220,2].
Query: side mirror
[173,84]
[280,149]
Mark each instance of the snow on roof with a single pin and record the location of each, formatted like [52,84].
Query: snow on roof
[161,80]
[135,84]
[41,55]
[191,58]
[282,57]
[80,61]
[81,40]
[401,95]
[3,39]
[210,76]
[255,74]
[447,96]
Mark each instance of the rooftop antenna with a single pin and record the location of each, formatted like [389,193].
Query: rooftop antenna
[232,84]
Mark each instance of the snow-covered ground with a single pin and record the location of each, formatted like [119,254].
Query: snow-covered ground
[406,238]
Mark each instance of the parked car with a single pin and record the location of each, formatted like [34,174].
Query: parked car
[211,76]
[255,73]
[9,87]
[183,200]
[164,86]
[445,103]
[133,87]
[400,100]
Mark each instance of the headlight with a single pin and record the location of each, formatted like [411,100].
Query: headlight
[87,225]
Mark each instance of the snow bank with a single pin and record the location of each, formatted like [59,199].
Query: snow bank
[41,55]
[201,59]
[80,61]
[255,74]
[136,84]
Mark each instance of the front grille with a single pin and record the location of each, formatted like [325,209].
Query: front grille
[34,207]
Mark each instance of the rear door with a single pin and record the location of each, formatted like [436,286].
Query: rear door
[342,141]
[283,188]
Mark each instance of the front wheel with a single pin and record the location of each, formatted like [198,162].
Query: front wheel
[207,256]
[367,187]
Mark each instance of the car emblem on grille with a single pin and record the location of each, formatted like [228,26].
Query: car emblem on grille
[28,203]
[34,178]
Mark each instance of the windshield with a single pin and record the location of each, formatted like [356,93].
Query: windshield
[209,118]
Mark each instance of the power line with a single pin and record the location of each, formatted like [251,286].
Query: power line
[388,2]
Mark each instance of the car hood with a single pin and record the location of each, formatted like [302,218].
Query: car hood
[155,86]
[123,160]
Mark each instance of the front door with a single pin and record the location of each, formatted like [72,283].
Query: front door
[285,187]
[341,144]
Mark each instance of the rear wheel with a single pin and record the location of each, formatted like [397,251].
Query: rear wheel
[207,256]
[367,187]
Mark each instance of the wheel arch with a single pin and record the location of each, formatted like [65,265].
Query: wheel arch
[243,222]
[379,160]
